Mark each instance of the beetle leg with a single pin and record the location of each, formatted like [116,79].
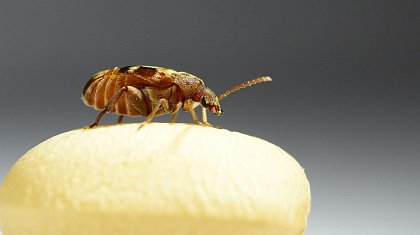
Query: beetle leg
[120,118]
[149,118]
[109,105]
[204,117]
[137,102]
[174,115]
[194,116]
[204,114]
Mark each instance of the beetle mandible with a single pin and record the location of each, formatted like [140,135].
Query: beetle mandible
[151,91]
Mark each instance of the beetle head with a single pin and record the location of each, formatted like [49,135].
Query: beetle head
[210,101]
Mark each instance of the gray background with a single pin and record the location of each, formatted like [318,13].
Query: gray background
[344,102]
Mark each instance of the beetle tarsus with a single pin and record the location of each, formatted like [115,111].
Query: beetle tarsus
[206,124]
[96,122]
[143,124]
[92,125]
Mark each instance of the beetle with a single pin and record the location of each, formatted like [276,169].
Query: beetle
[150,91]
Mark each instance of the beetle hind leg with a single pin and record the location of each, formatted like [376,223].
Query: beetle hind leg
[109,106]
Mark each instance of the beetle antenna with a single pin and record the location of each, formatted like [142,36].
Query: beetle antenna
[243,85]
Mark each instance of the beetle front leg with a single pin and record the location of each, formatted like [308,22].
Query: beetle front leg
[194,116]
[204,117]
[204,114]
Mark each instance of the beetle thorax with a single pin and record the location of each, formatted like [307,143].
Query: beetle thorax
[188,83]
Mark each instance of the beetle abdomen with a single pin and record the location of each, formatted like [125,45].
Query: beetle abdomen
[103,85]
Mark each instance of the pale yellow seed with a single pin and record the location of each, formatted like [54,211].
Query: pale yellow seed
[162,179]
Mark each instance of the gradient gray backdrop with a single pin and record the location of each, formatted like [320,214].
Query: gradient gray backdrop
[344,100]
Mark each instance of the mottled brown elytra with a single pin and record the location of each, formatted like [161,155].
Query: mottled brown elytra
[151,91]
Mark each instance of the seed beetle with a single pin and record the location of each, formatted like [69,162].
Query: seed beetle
[151,91]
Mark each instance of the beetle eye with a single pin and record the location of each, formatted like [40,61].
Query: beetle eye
[204,103]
